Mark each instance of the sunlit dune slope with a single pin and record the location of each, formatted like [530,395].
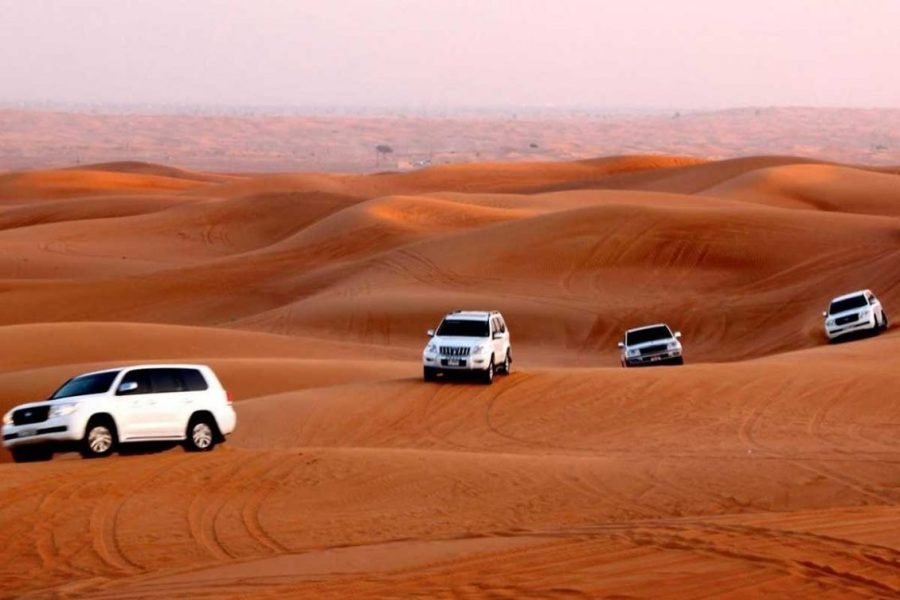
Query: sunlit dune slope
[767,466]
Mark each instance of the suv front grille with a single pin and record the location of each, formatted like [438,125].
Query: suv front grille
[26,416]
[454,351]
[654,349]
[847,319]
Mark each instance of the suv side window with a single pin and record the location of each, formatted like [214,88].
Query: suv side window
[139,376]
[502,324]
[193,380]
[166,381]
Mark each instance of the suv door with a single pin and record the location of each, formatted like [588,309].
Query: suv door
[180,392]
[499,344]
[135,412]
[875,306]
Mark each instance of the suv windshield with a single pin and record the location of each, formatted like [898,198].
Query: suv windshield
[86,385]
[847,304]
[464,328]
[640,336]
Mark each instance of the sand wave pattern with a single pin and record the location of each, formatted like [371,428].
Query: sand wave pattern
[767,466]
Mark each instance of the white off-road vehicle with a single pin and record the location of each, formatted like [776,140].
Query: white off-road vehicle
[468,342]
[855,312]
[651,345]
[95,412]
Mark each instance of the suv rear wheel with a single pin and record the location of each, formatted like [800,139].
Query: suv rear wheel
[201,434]
[100,438]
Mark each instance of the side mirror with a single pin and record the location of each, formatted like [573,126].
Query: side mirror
[677,335]
[430,333]
[498,335]
[824,313]
[621,344]
[128,386]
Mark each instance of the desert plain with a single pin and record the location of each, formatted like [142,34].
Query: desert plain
[767,467]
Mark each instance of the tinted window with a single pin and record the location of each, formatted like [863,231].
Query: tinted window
[166,381]
[193,380]
[647,335]
[464,328]
[86,385]
[141,377]
[848,304]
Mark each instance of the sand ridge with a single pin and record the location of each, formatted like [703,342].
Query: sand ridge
[768,465]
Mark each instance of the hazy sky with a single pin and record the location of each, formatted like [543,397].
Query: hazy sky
[439,53]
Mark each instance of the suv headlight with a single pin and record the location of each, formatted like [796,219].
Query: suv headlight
[62,410]
[633,352]
[7,418]
[672,346]
[829,322]
[478,349]
[431,348]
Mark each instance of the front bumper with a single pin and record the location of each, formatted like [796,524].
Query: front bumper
[57,430]
[475,362]
[836,331]
[670,357]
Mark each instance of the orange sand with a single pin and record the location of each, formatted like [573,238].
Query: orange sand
[768,466]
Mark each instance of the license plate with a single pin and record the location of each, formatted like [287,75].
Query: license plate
[453,362]
[27,432]
[655,358]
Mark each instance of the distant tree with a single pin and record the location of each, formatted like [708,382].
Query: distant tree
[382,150]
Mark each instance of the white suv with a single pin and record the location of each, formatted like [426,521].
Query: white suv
[850,313]
[95,412]
[468,341]
[651,345]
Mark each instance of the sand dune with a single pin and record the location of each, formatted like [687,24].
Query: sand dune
[767,466]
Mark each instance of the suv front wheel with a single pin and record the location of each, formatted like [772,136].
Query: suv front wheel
[487,377]
[100,438]
[506,367]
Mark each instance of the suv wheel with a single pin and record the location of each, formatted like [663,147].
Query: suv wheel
[506,367]
[100,439]
[429,373]
[201,434]
[884,321]
[487,377]
[31,454]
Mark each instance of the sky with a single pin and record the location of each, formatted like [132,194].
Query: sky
[436,54]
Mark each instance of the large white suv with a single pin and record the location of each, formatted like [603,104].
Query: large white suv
[855,312]
[95,412]
[651,345]
[468,342]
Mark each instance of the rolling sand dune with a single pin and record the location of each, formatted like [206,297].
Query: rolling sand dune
[768,466]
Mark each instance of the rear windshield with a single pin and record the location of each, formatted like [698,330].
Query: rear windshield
[464,328]
[847,304]
[86,385]
[647,335]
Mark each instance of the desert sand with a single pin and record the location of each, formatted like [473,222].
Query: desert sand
[767,467]
[290,141]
